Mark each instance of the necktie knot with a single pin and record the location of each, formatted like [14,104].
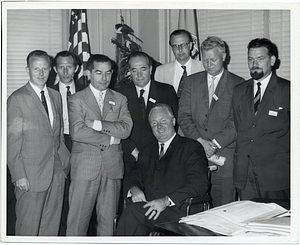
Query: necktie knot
[184,68]
[142,91]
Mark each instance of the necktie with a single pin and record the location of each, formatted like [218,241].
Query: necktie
[211,89]
[68,92]
[257,98]
[142,103]
[182,81]
[44,101]
[161,152]
[101,101]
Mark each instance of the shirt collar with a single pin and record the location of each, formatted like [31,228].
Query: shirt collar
[96,91]
[187,64]
[167,143]
[146,88]
[265,81]
[37,90]
[217,76]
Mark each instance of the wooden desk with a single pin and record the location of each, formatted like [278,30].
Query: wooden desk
[181,229]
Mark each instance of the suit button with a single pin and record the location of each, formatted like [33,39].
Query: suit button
[101,149]
[248,156]
[206,129]
[155,188]
[252,141]
[205,115]
[254,125]
[157,169]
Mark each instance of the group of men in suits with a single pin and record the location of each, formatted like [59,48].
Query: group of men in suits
[131,132]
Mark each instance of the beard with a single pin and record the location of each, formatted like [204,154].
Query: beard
[256,73]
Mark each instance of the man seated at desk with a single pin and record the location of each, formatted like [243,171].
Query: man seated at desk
[167,172]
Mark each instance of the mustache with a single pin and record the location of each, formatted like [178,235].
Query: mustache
[255,68]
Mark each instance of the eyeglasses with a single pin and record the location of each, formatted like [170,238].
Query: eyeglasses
[180,46]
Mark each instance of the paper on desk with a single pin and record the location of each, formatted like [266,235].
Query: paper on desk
[233,217]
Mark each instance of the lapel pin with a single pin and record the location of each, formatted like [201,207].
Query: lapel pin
[152,100]
[111,103]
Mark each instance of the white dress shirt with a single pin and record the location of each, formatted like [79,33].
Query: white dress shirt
[37,90]
[63,92]
[146,93]
[179,72]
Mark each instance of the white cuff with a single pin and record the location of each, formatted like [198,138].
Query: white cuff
[97,125]
[216,143]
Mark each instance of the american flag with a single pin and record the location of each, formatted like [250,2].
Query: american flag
[188,20]
[79,40]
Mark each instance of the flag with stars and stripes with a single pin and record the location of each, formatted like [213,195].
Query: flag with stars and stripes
[79,41]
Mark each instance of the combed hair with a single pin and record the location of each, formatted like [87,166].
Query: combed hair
[64,54]
[162,105]
[38,54]
[99,58]
[180,32]
[139,54]
[212,42]
[262,42]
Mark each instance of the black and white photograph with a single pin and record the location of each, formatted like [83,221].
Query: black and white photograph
[171,120]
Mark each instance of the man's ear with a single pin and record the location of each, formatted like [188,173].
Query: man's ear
[150,69]
[273,60]
[27,70]
[76,68]
[174,121]
[224,56]
[54,68]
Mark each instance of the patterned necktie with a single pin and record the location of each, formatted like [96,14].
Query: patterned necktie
[182,81]
[161,152]
[101,101]
[44,101]
[257,98]
[142,103]
[211,89]
[68,92]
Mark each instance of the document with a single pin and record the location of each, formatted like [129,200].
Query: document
[236,217]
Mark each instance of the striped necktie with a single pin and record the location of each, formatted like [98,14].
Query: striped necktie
[161,152]
[257,98]
[182,81]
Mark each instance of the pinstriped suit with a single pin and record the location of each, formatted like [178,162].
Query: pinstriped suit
[96,166]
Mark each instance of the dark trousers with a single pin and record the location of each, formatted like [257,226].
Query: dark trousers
[253,189]
[133,221]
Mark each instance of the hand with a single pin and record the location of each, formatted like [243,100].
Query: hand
[23,184]
[156,207]
[135,154]
[137,195]
[89,123]
[209,147]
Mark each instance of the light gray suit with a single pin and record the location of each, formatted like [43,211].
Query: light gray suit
[36,151]
[165,73]
[96,166]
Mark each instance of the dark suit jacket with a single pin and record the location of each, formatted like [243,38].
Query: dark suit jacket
[91,149]
[180,173]
[33,146]
[196,119]
[141,134]
[265,138]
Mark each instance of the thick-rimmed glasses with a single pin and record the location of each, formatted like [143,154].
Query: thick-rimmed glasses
[180,46]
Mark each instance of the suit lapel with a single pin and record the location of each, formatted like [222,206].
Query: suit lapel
[91,101]
[267,94]
[152,96]
[36,99]
[170,150]
[249,95]
[54,109]
[109,102]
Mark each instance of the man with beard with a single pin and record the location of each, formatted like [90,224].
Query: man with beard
[261,109]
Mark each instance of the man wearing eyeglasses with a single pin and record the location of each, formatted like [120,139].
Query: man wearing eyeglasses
[174,72]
